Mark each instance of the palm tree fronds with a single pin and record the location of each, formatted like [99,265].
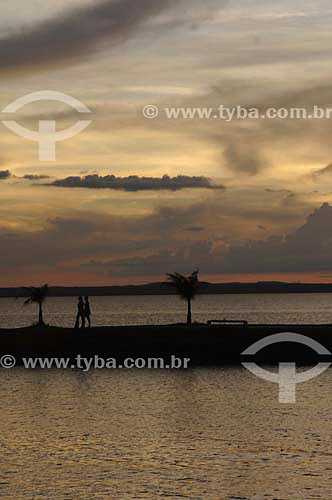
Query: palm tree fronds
[186,286]
[37,295]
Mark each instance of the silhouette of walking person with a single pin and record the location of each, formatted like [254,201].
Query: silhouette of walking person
[80,314]
[87,310]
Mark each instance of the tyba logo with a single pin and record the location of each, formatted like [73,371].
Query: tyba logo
[287,378]
[47,136]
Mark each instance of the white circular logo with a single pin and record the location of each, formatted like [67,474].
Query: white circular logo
[47,136]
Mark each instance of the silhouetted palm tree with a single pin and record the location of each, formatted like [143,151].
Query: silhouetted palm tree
[186,287]
[37,295]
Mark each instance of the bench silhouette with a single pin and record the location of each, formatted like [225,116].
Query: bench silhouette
[224,321]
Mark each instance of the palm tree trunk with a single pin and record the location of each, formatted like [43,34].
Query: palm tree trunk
[41,319]
[189,312]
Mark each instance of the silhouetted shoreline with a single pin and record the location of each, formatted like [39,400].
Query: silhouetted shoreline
[164,288]
[204,345]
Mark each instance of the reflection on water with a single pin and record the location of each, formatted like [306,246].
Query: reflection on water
[197,434]
[135,310]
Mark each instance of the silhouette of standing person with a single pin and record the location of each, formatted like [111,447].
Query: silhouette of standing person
[87,311]
[80,313]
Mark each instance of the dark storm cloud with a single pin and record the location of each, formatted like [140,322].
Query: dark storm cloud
[141,248]
[82,237]
[76,33]
[308,249]
[160,262]
[60,239]
[135,183]
[4,174]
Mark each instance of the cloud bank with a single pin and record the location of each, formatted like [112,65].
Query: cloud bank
[136,183]
[308,249]
[141,249]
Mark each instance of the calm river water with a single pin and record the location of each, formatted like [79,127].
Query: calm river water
[199,434]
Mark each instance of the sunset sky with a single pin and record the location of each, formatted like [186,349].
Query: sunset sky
[259,208]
